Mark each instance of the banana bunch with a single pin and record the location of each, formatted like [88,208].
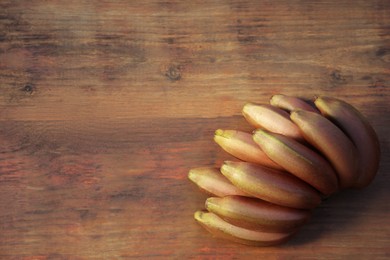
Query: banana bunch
[297,155]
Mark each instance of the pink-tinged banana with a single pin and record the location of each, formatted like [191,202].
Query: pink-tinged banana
[298,160]
[272,119]
[222,229]
[291,103]
[241,145]
[359,130]
[331,142]
[275,186]
[256,214]
[211,181]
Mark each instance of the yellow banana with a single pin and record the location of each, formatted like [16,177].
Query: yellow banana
[274,186]
[211,181]
[256,214]
[298,160]
[271,118]
[291,103]
[220,228]
[331,142]
[241,145]
[357,127]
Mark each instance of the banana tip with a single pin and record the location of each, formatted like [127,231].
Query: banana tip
[259,132]
[210,202]
[259,135]
[198,215]
[228,168]
[274,100]
[296,112]
[246,108]
[192,175]
[218,132]
[228,163]
[223,133]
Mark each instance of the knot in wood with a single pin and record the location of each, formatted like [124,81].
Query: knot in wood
[29,89]
[173,73]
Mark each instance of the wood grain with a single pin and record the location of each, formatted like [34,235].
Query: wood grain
[106,105]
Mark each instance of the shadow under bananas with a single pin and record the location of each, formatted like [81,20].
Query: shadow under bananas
[346,213]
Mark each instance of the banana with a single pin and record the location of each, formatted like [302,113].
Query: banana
[291,103]
[220,228]
[357,127]
[256,214]
[241,145]
[274,186]
[272,119]
[211,181]
[331,142]
[298,160]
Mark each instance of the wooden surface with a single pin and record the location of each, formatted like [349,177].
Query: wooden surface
[106,105]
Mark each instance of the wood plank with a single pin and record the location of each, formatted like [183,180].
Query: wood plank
[105,106]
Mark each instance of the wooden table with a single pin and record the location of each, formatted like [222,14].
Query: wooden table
[106,105]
